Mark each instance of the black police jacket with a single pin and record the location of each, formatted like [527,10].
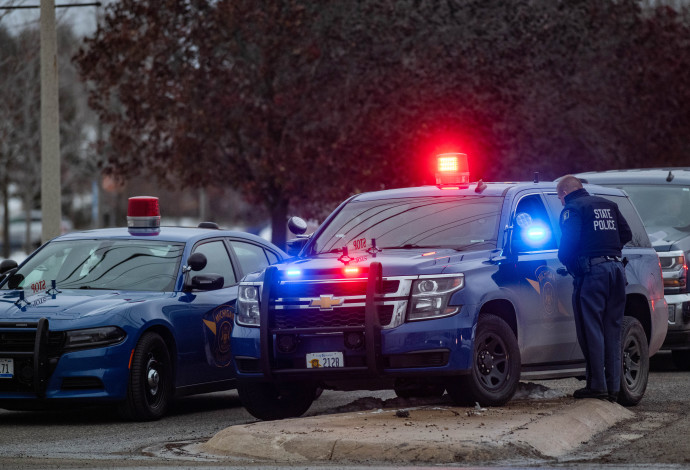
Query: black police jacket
[591,226]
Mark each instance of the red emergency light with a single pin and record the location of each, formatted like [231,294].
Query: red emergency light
[452,170]
[143,214]
[351,271]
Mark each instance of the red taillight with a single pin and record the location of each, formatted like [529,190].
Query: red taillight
[143,213]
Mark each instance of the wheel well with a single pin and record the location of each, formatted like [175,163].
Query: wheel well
[636,306]
[503,309]
[169,339]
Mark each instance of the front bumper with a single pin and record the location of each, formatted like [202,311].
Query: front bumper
[437,347]
[678,335]
[44,372]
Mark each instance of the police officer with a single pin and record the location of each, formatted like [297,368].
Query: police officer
[593,234]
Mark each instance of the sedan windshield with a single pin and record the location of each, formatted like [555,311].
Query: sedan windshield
[413,222]
[101,264]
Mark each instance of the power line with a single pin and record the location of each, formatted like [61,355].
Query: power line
[64,5]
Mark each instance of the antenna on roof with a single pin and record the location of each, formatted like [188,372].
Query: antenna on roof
[536,176]
[670,176]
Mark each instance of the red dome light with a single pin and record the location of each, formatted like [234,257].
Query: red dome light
[143,213]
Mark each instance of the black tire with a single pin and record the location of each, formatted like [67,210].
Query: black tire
[412,389]
[150,387]
[495,372]
[635,362]
[681,358]
[267,401]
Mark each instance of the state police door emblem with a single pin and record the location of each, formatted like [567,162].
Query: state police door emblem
[218,331]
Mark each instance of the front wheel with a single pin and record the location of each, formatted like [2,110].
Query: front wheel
[495,372]
[635,362]
[150,380]
[268,401]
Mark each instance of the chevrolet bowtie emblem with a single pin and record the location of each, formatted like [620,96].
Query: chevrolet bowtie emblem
[326,302]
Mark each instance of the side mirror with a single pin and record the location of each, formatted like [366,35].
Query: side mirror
[295,245]
[208,282]
[297,226]
[6,265]
[197,261]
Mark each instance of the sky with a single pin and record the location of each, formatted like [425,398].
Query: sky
[82,19]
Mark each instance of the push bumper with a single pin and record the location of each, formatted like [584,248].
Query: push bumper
[439,347]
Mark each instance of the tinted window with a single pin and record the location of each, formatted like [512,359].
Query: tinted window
[217,261]
[628,211]
[251,257]
[102,264]
[532,227]
[433,221]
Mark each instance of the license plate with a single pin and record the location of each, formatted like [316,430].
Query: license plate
[6,368]
[325,359]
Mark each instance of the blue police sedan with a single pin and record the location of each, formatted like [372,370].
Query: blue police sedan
[129,316]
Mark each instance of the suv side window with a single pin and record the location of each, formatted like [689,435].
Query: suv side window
[639,234]
[532,227]
[218,261]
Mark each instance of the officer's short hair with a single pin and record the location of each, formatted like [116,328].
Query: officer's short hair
[568,184]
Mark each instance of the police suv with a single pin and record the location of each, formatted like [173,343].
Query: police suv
[130,316]
[455,287]
[662,197]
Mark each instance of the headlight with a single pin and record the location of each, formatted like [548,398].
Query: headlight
[248,305]
[430,296]
[674,269]
[93,337]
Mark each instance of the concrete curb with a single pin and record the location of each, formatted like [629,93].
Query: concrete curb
[430,434]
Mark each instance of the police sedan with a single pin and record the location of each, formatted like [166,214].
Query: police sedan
[128,316]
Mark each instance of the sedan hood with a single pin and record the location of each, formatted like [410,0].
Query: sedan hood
[68,307]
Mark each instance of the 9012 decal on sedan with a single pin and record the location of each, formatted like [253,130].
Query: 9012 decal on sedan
[129,316]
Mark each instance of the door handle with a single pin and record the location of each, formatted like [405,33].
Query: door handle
[562,271]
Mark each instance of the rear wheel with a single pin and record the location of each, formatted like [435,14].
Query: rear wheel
[635,362]
[681,358]
[268,401]
[495,370]
[150,380]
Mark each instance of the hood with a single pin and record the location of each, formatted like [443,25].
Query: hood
[668,239]
[68,307]
[395,262]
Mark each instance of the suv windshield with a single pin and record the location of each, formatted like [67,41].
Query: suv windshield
[661,206]
[101,264]
[413,222]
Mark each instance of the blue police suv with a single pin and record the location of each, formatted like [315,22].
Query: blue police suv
[130,316]
[455,287]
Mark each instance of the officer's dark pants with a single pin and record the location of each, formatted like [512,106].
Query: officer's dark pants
[599,305]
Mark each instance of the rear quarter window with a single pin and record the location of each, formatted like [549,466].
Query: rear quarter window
[639,234]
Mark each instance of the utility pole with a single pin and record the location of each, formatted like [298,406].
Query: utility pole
[51,210]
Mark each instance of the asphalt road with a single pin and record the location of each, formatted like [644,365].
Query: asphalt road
[96,438]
